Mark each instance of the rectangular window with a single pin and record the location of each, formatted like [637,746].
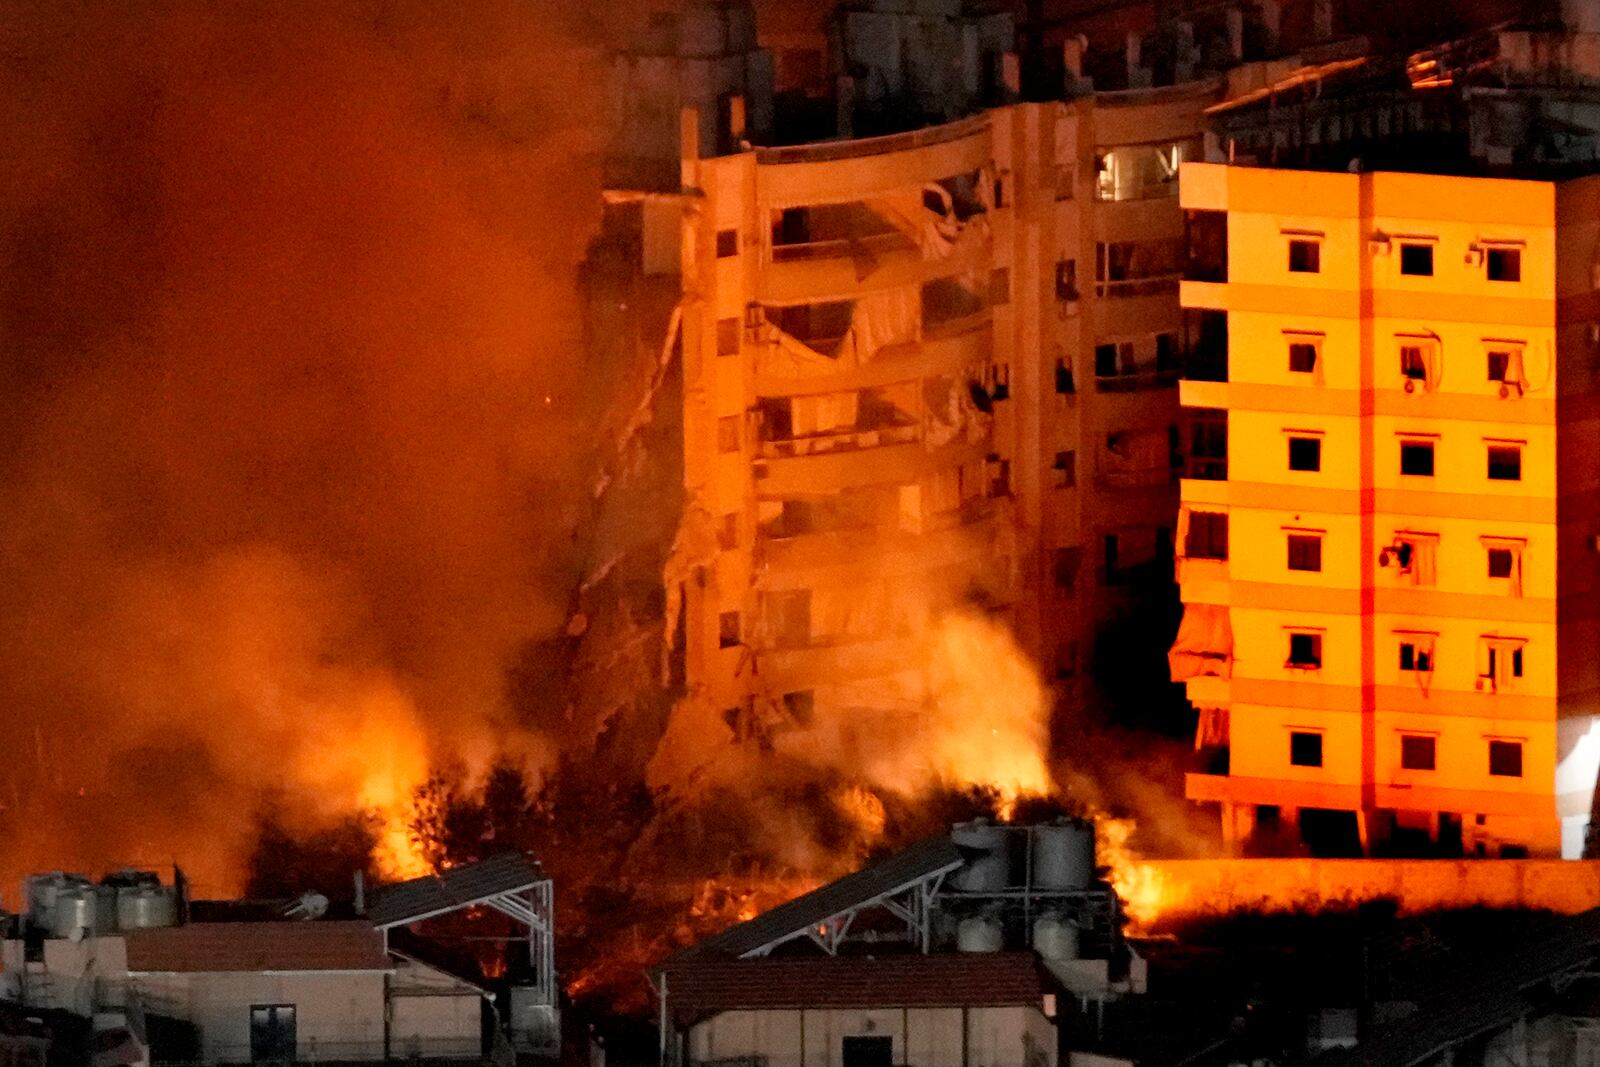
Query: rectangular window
[1066,470]
[1417,752]
[1505,759]
[1416,458]
[273,1038]
[1505,463]
[1305,650]
[728,629]
[1067,279]
[1305,552]
[1416,259]
[877,1051]
[728,433]
[1499,364]
[1105,361]
[1305,748]
[1416,656]
[1305,453]
[1064,383]
[728,331]
[727,243]
[1504,264]
[1207,537]
[1302,357]
[1413,363]
[1305,256]
[1166,351]
[1501,562]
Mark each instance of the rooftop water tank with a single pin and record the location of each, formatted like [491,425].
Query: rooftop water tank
[1054,938]
[1063,855]
[76,913]
[979,933]
[145,907]
[988,867]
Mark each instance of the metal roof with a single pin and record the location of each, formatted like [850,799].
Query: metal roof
[931,858]
[1480,993]
[436,894]
[700,988]
[257,946]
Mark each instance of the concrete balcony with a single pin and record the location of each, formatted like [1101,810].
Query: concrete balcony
[900,464]
[955,537]
[945,350]
[848,440]
[1198,394]
[1211,296]
[842,269]
[870,166]
[1204,581]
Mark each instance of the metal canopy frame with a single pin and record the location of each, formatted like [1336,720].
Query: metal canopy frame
[911,902]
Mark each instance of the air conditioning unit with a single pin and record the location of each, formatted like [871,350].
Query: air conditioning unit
[1474,256]
[1379,245]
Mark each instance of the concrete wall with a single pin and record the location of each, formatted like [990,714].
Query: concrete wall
[337,1016]
[1190,888]
[928,1037]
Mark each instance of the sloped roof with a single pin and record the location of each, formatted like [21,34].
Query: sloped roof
[925,859]
[1479,993]
[699,988]
[257,946]
[435,894]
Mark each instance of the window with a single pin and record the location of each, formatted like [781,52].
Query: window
[1504,661]
[1064,383]
[1504,264]
[1302,357]
[728,433]
[1417,752]
[1305,453]
[1499,364]
[1416,259]
[1067,279]
[1305,748]
[1305,552]
[1305,256]
[1416,655]
[1501,562]
[1066,470]
[1505,759]
[272,1033]
[1505,463]
[1305,650]
[728,629]
[1414,363]
[728,337]
[1207,537]
[1166,352]
[1105,361]
[875,1051]
[727,243]
[1416,458]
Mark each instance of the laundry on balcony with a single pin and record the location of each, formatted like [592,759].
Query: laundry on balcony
[1204,645]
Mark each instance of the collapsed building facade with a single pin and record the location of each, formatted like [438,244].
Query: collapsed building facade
[929,357]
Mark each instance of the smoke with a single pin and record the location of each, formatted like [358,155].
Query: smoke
[293,393]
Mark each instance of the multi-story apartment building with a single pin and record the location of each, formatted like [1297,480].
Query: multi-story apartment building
[929,357]
[1387,539]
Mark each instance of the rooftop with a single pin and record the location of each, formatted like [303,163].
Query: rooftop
[264,946]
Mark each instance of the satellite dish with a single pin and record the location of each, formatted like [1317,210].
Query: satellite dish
[311,905]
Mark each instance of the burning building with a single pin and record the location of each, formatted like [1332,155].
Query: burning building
[960,948]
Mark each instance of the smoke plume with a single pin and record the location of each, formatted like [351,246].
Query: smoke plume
[293,395]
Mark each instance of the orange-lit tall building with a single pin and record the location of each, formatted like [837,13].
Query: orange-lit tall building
[1387,541]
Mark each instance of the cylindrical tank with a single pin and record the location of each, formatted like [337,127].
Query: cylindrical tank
[989,867]
[979,933]
[44,896]
[144,907]
[76,911]
[1054,938]
[1063,855]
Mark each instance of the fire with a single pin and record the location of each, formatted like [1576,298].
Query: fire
[988,726]
[1143,887]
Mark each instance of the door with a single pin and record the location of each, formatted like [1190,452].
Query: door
[272,1033]
[868,1052]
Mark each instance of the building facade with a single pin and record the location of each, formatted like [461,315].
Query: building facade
[1387,553]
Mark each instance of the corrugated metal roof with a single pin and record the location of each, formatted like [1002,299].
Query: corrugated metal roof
[251,946]
[701,987]
[1480,993]
[434,894]
[925,859]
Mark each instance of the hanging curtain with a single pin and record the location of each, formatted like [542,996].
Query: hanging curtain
[1204,645]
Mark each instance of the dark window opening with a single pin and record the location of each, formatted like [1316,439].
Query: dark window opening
[1416,458]
[1499,364]
[1305,453]
[1305,552]
[727,243]
[1305,257]
[1067,279]
[1206,241]
[1105,361]
[1501,562]
[1413,363]
[1208,535]
[1415,657]
[1504,264]
[1505,759]
[1064,382]
[1166,352]
[868,1052]
[1417,752]
[1302,357]
[1066,470]
[1305,650]
[1269,818]
[1305,749]
[272,1033]
[1416,259]
[1505,463]
[1208,444]
[728,629]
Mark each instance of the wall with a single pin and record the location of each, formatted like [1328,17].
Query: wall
[337,1016]
[928,1037]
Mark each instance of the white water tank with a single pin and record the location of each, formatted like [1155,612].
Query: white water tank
[989,867]
[76,913]
[1054,938]
[1063,855]
[145,907]
[979,933]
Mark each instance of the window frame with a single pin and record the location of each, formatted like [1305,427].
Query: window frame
[1406,764]
[1305,541]
[1510,256]
[1506,746]
[1514,448]
[1301,242]
[1414,444]
[1302,734]
[1305,438]
[1314,637]
[1417,244]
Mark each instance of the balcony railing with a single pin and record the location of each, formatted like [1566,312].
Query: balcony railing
[1131,383]
[1206,367]
[1153,285]
[1206,468]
